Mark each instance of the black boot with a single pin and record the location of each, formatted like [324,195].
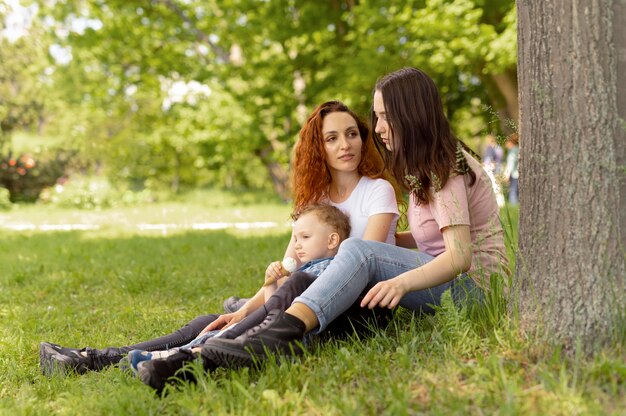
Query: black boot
[279,333]
[55,359]
[157,372]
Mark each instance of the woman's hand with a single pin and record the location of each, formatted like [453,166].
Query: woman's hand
[385,294]
[224,321]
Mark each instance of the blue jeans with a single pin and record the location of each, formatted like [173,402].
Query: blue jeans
[361,264]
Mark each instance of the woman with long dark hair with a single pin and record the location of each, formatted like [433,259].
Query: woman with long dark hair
[453,218]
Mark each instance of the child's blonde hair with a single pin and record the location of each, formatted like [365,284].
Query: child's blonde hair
[330,215]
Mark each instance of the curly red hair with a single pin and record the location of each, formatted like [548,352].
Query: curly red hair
[310,176]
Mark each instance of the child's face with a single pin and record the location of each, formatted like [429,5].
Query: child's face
[313,238]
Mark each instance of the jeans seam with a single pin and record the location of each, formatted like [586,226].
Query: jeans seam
[350,280]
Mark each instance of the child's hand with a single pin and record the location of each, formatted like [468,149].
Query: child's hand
[273,273]
[279,269]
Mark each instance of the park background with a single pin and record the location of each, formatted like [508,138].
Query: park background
[129,129]
[128,101]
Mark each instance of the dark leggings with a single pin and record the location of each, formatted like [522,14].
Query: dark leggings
[281,299]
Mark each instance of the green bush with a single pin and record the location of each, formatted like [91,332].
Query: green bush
[5,201]
[92,193]
[25,176]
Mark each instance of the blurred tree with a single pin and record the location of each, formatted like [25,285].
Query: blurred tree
[23,85]
[468,46]
[267,64]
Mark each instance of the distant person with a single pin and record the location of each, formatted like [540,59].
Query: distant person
[492,164]
[511,172]
[493,154]
[335,162]
[317,232]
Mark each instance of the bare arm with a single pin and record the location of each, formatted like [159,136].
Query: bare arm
[377,227]
[405,239]
[456,259]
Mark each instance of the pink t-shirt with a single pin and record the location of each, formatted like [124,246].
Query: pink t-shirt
[460,204]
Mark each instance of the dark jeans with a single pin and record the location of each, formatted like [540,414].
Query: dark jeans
[281,299]
[354,319]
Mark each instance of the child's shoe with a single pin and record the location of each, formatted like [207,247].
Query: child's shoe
[136,356]
[155,373]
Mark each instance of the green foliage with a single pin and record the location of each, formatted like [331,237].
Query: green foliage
[22,92]
[5,199]
[267,64]
[93,193]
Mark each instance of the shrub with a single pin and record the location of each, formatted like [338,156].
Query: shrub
[92,193]
[5,201]
[25,177]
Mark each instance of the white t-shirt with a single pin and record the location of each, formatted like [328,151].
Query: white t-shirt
[370,197]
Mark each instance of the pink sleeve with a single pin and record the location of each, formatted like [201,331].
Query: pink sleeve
[450,206]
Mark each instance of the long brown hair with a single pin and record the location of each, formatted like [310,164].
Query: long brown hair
[310,176]
[425,152]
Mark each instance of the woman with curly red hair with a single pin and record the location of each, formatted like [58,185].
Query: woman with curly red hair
[311,178]
[335,162]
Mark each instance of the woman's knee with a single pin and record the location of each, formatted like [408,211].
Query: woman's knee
[355,245]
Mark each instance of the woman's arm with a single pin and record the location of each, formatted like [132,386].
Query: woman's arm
[405,239]
[377,227]
[456,259]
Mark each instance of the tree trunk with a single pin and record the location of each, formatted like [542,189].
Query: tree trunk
[278,174]
[507,84]
[572,71]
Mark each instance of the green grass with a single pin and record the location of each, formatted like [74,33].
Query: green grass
[117,285]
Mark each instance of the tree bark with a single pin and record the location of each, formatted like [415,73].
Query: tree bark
[571,270]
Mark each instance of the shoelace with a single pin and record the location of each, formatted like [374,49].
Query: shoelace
[263,325]
[97,360]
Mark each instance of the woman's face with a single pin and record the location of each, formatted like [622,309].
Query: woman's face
[342,142]
[382,126]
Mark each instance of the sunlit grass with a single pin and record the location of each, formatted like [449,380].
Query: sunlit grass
[197,207]
[116,285]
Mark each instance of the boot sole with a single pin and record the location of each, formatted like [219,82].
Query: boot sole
[144,373]
[46,364]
